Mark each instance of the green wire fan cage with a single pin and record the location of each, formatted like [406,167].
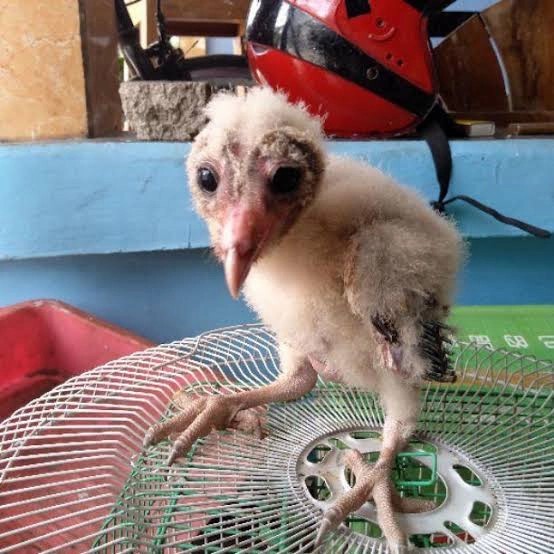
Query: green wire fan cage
[74,477]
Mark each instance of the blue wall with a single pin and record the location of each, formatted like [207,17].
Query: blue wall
[168,295]
[108,227]
[161,295]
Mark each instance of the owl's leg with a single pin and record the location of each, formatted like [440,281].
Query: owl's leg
[374,480]
[200,415]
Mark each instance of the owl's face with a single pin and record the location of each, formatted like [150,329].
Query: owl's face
[251,187]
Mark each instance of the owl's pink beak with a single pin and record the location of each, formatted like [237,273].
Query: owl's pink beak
[245,232]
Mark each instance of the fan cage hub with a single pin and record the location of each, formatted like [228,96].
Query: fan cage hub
[323,476]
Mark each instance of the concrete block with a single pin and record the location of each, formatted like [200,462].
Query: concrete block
[165,110]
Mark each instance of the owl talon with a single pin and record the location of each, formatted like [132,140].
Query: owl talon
[199,417]
[331,520]
[372,480]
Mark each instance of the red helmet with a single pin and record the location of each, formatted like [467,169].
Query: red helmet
[364,64]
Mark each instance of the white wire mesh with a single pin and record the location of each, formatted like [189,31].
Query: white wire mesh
[73,477]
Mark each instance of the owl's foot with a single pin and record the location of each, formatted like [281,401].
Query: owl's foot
[199,416]
[372,481]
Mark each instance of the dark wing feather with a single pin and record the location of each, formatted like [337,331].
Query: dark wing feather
[386,328]
[433,345]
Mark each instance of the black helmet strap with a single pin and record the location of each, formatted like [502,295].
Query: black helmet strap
[433,132]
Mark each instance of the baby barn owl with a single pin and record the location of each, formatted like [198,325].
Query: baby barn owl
[353,273]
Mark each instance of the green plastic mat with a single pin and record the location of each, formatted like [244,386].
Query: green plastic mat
[527,330]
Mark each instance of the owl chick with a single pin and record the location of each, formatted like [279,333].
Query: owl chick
[352,272]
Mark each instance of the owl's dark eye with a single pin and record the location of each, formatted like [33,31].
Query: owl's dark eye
[207,179]
[285,180]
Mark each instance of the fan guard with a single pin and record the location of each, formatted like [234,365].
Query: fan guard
[73,477]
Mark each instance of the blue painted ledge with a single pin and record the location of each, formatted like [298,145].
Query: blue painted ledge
[97,197]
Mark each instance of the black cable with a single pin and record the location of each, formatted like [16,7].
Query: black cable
[132,2]
[531,229]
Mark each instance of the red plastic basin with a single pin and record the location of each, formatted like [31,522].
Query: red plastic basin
[45,342]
